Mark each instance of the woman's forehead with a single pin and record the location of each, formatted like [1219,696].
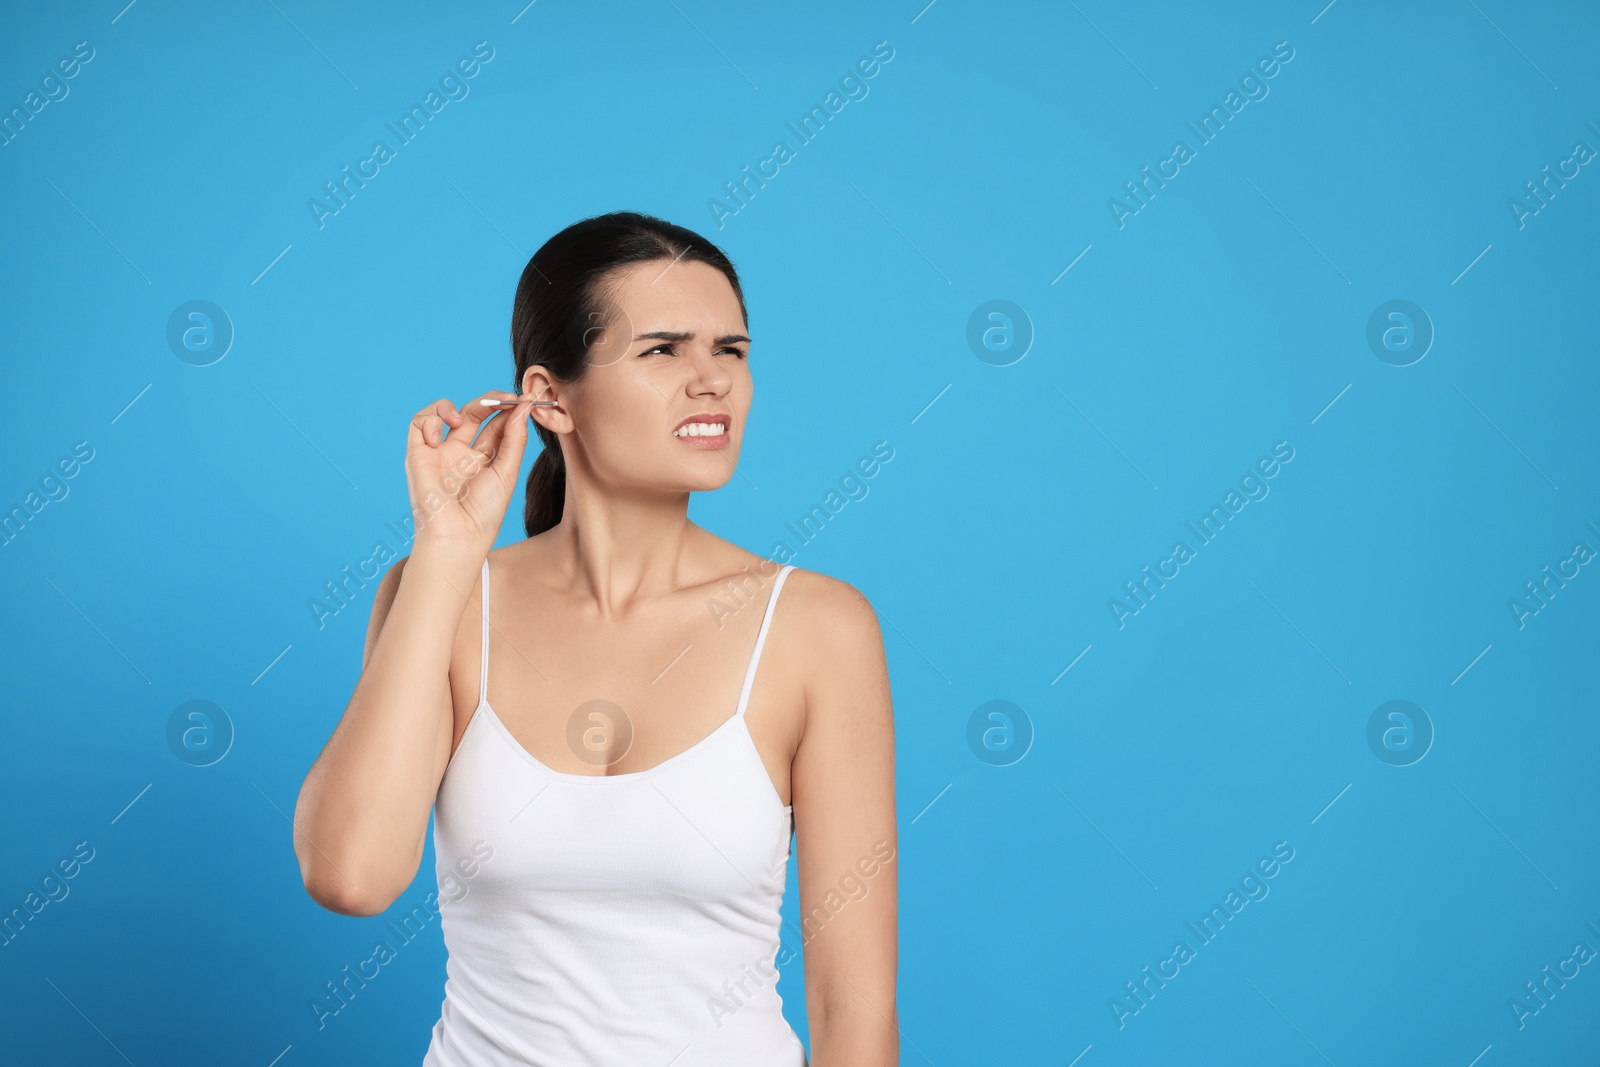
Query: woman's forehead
[686,290]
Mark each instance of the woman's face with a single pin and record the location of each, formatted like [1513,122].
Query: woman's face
[673,352]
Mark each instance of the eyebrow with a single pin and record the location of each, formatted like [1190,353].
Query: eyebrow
[671,335]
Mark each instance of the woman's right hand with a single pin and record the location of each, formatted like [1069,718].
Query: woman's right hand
[460,487]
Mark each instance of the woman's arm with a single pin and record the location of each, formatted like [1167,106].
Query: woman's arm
[362,817]
[847,848]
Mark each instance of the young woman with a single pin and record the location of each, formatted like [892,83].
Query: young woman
[614,781]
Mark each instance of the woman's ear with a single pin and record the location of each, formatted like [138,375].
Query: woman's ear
[537,383]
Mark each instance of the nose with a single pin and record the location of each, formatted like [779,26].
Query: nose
[710,375]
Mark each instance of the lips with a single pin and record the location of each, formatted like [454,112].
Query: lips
[681,432]
[705,417]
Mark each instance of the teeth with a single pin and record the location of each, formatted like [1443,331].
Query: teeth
[701,429]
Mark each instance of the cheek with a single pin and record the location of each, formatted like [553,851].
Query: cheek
[636,422]
[627,441]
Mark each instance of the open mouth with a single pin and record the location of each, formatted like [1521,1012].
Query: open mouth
[703,431]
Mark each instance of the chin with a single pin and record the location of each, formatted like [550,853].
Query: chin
[709,484]
[701,480]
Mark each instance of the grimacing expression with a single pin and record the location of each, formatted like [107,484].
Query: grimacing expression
[674,345]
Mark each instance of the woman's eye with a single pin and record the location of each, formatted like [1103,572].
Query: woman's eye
[668,347]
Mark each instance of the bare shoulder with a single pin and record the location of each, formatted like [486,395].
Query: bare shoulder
[843,676]
[825,599]
[834,620]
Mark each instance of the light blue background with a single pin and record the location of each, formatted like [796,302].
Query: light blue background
[1228,314]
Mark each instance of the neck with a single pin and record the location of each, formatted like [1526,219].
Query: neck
[616,545]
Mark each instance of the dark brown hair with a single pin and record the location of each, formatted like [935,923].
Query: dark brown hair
[563,296]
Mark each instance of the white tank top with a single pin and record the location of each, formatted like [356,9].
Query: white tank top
[611,919]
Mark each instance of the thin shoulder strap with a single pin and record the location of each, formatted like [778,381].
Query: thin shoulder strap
[761,639]
[483,670]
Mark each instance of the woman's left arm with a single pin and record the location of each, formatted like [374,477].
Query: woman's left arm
[842,781]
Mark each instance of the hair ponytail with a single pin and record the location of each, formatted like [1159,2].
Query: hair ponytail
[560,295]
[546,490]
